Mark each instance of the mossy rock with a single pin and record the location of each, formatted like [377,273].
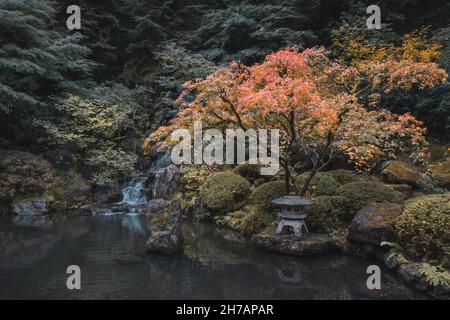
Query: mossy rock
[423,228]
[322,184]
[248,221]
[224,192]
[442,172]
[400,172]
[70,193]
[326,214]
[345,176]
[374,223]
[359,194]
[265,193]
[251,172]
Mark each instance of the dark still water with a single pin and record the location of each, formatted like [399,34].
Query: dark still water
[215,265]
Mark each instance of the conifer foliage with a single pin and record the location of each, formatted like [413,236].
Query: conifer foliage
[36,60]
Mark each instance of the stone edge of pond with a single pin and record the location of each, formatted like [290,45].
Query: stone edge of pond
[407,271]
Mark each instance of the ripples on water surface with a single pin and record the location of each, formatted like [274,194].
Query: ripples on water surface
[215,265]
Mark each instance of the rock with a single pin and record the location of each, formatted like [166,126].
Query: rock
[31,207]
[165,229]
[410,273]
[310,244]
[166,182]
[156,206]
[442,172]
[107,194]
[60,158]
[362,250]
[32,213]
[78,194]
[374,223]
[400,172]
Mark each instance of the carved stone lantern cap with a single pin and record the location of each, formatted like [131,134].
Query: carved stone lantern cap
[291,200]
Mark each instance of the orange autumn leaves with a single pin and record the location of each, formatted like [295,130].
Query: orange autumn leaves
[313,101]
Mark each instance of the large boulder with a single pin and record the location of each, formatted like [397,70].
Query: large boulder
[442,172]
[309,244]
[165,229]
[166,182]
[374,223]
[401,172]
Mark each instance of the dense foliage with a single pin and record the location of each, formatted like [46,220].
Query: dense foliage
[423,228]
[36,61]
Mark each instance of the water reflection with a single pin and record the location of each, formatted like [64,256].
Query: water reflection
[216,264]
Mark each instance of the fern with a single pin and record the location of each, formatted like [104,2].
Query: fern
[435,275]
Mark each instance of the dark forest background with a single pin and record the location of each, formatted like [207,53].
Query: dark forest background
[97,92]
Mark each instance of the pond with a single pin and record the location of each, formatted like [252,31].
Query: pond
[215,264]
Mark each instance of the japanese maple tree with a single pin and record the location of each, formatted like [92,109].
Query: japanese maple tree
[314,103]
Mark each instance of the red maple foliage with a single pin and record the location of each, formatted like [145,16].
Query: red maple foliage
[314,103]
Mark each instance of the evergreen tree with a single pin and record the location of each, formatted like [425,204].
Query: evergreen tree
[36,61]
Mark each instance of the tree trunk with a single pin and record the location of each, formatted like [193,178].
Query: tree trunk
[308,181]
[287,176]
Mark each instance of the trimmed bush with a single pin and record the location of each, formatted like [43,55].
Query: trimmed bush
[423,228]
[322,184]
[265,193]
[359,194]
[251,172]
[345,176]
[325,213]
[224,192]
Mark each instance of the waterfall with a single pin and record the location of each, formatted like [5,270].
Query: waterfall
[134,192]
[133,199]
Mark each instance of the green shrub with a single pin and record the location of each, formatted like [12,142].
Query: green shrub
[325,214]
[190,185]
[345,176]
[423,228]
[251,172]
[94,129]
[322,184]
[224,192]
[109,164]
[359,194]
[248,220]
[265,193]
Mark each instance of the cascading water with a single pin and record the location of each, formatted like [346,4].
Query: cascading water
[134,192]
[133,199]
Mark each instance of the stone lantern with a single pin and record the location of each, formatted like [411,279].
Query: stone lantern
[291,214]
